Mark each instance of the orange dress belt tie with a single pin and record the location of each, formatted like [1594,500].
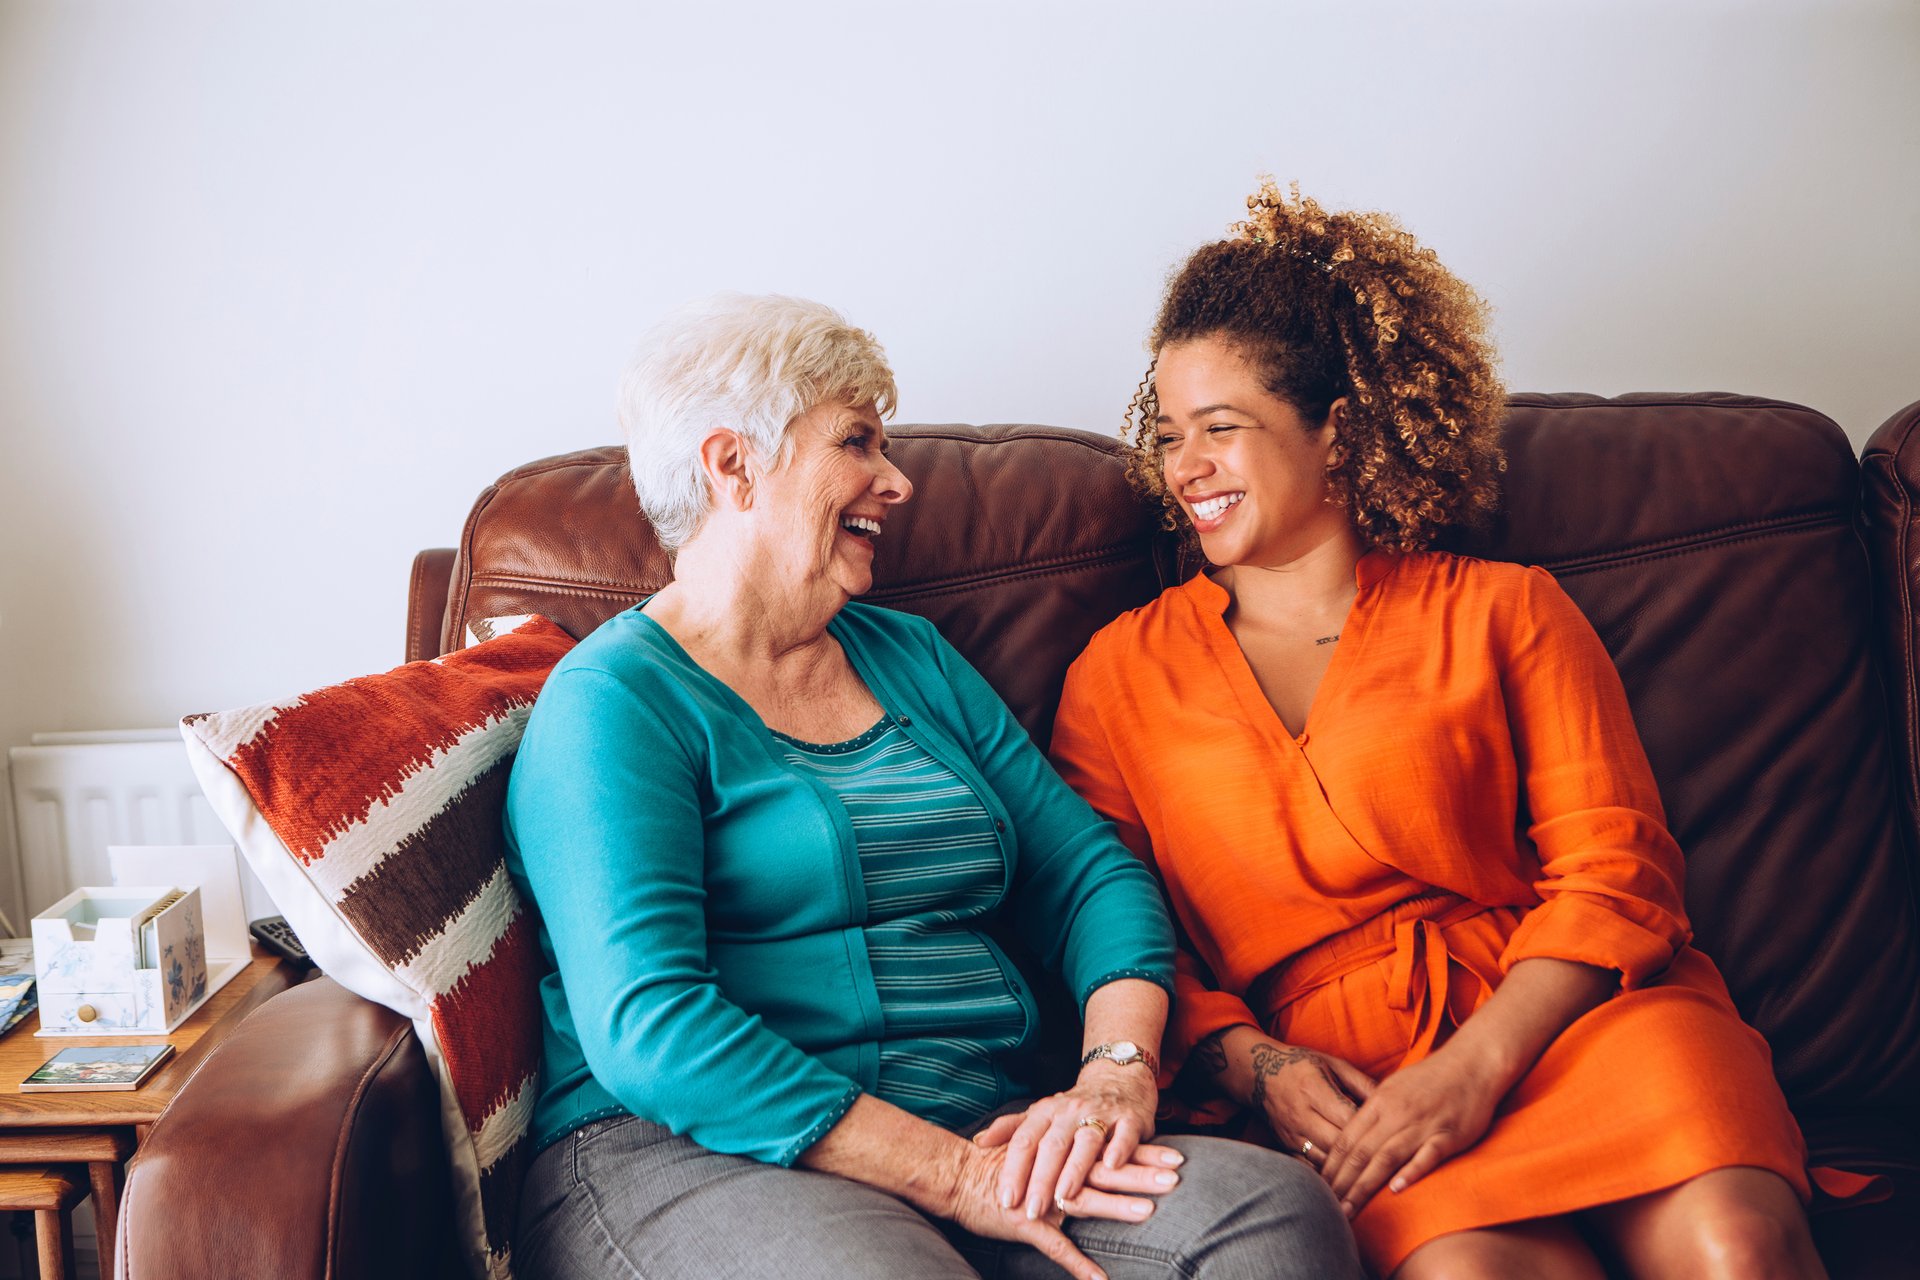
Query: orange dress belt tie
[1412,932]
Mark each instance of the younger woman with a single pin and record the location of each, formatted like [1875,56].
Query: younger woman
[1432,915]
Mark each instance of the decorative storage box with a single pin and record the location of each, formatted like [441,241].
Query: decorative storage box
[120,959]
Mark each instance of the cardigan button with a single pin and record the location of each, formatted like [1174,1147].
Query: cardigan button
[999,825]
[905,721]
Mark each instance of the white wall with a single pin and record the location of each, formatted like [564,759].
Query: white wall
[283,286]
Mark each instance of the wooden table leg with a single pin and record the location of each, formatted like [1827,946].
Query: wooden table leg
[49,1226]
[108,1177]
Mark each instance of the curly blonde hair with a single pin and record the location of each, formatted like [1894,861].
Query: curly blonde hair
[1347,304]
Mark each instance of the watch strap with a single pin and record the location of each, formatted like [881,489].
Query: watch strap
[1123,1053]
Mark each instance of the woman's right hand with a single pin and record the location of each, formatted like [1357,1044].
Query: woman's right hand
[1121,1194]
[1307,1096]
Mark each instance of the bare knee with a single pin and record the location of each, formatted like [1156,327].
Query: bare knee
[1445,1263]
[1736,1222]
[1539,1250]
[1748,1242]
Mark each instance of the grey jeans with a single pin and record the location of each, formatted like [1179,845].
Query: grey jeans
[625,1198]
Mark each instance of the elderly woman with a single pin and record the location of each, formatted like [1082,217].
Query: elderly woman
[767,832]
[1438,946]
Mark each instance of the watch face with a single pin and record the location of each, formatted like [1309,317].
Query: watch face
[1125,1051]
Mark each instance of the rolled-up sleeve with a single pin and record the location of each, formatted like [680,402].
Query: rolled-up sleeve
[1611,876]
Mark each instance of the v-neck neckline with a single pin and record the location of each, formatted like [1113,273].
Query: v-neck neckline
[1212,600]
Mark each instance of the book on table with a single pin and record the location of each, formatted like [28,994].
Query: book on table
[97,1067]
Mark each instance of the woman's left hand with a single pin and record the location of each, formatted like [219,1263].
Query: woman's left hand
[1418,1118]
[1051,1147]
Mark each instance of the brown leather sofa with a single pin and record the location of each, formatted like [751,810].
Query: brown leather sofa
[1758,597]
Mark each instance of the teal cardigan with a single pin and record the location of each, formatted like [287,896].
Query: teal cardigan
[700,900]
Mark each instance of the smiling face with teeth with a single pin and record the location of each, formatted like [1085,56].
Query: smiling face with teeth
[1247,468]
[818,515]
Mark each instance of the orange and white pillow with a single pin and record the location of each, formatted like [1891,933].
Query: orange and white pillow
[371,812]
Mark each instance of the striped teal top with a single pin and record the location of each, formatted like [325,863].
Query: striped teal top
[931,865]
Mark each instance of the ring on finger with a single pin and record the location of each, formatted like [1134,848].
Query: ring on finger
[1060,1203]
[1094,1122]
[1306,1147]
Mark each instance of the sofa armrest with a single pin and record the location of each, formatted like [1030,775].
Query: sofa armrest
[307,1145]
[1890,471]
[427,592]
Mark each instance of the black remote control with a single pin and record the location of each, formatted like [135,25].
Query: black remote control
[277,936]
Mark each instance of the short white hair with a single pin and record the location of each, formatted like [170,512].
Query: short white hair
[750,363]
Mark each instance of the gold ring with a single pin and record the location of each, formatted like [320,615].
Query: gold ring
[1306,1148]
[1093,1123]
[1060,1203]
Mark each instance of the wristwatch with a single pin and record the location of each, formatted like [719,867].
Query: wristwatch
[1123,1053]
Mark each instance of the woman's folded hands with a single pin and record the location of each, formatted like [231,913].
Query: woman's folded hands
[948,1177]
[1418,1118]
[1364,1135]
[1308,1097]
[1122,1193]
[1423,1115]
[1083,1151]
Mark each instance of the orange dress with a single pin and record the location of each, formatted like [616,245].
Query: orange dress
[1468,791]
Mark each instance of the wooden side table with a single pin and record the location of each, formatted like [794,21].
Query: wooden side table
[102,1130]
[103,1153]
[49,1193]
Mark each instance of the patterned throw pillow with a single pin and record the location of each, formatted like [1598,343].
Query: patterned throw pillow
[371,812]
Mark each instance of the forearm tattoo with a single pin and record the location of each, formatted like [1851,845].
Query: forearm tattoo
[1268,1062]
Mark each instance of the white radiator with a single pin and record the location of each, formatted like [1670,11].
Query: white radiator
[76,793]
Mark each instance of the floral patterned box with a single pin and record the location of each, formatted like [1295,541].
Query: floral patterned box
[120,959]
